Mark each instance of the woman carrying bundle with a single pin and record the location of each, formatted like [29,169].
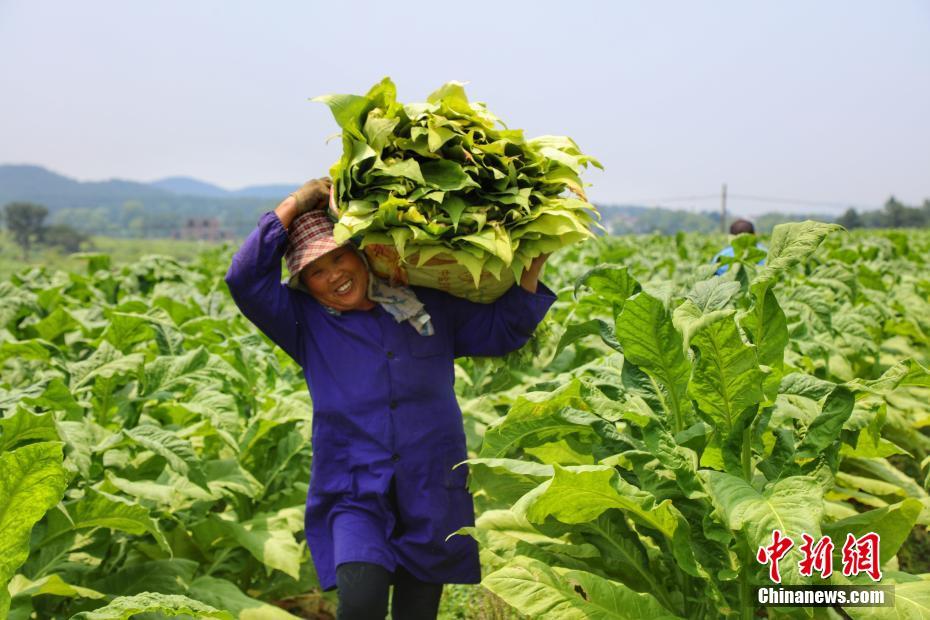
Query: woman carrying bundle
[387,430]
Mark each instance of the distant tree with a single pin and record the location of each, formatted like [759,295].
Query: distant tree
[895,213]
[24,221]
[63,236]
[850,219]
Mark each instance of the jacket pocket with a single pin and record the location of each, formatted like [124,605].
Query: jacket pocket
[329,469]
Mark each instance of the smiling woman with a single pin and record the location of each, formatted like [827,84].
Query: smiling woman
[339,279]
[387,430]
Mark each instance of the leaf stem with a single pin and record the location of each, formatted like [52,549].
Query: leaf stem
[747,454]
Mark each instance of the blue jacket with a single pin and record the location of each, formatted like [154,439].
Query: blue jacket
[729,251]
[384,412]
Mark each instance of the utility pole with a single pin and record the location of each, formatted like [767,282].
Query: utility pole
[723,209]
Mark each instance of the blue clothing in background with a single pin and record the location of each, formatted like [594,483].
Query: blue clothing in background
[728,251]
[384,410]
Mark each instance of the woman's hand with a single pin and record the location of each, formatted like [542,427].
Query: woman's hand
[312,195]
[530,277]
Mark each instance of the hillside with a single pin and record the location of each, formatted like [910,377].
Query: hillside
[130,209]
[123,208]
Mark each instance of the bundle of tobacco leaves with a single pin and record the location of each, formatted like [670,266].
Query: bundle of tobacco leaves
[446,177]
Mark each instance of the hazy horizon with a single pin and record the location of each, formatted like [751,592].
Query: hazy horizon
[824,103]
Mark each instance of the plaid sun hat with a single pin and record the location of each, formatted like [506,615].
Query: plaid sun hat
[310,236]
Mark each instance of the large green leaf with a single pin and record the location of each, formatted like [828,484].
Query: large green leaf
[125,607]
[178,452]
[172,576]
[911,600]
[32,480]
[539,591]
[223,594]
[892,523]
[790,245]
[267,537]
[582,493]
[541,418]
[24,426]
[824,431]
[506,480]
[649,340]
[52,585]
[767,327]
[727,378]
[793,506]
[168,373]
[99,509]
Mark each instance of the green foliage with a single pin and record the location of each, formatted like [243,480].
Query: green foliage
[168,441]
[727,407]
[31,481]
[24,221]
[185,442]
[447,176]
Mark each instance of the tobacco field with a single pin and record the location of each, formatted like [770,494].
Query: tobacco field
[627,463]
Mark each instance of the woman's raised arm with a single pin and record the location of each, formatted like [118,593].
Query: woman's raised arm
[254,279]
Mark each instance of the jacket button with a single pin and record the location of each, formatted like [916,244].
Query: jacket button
[390,355]
[393,404]
[395,457]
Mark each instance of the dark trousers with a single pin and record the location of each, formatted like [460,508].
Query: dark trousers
[363,593]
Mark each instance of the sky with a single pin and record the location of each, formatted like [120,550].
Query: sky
[824,102]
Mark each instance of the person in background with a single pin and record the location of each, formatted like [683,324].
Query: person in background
[738,227]
[387,432]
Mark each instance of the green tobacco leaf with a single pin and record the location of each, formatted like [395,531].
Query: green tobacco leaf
[98,509]
[545,416]
[227,475]
[60,321]
[767,326]
[539,591]
[52,585]
[792,505]
[506,480]
[674,458]
[268,538]
[107,362]
[612,284]
[224,594]
[508,536]
[24,426]
[577,331]
[807,386]
[904,373]
[581,494]
[178,452]
[650,341]
[713,295]
[727,378]
[790,244]
[825,430]
[32,480]
[690,319]
[170,495]
[125,607]
[167,373]
[892,523]
[445,175]
[166,576]
[57,397]
[348,110]
[911,600]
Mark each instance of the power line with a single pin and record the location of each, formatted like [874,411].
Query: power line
[755,198]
